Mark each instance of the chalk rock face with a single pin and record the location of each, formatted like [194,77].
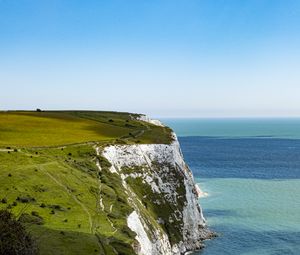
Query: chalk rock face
[166,216]
[147,119]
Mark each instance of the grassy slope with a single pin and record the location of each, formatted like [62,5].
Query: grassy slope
[63,188]
[62,185]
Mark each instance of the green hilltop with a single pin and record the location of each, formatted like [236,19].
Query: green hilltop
[50,181]
[53,128]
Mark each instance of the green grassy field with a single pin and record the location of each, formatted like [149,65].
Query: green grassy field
[38,129]
[49,178]
[59,191]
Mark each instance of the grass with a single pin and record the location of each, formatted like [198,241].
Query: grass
[62,187]
[49,178]
[38,129]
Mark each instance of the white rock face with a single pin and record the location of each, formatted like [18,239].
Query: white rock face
[135,224]
[162,167]
[147,119]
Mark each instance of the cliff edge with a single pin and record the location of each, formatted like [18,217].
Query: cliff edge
[166,216]
[103,183]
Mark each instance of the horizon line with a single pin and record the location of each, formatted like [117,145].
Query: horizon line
[167,116]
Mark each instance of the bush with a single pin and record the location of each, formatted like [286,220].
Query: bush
[42,205]
[33,218]
[14,239]
[26,199]
[129,126]
[57,207]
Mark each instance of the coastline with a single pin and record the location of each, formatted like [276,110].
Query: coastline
[200,192]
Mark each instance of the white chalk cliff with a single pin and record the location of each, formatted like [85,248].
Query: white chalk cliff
[166,216]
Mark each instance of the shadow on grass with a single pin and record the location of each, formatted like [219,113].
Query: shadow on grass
[64,242]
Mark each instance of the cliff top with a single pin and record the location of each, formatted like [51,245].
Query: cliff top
[55,128]
[76,193]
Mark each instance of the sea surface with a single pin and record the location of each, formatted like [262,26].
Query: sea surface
[250,169]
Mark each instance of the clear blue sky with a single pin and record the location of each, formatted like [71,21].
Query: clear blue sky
[186,58]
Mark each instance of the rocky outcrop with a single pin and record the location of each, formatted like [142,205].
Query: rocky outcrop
[145,118]
[166,216]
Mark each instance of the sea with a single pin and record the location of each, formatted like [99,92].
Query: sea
[250,170]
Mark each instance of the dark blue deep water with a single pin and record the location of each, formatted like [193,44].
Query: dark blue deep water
[261,158]
[250,170]
[253,187]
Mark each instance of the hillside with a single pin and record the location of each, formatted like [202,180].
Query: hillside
[75,179]
[54,128]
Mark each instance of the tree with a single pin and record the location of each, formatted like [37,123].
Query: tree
[14,239]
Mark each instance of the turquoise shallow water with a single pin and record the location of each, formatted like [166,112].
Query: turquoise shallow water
[252,175]
[252,216]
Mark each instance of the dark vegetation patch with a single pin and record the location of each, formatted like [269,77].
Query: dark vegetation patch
[25,199]
[33,218]
[104,163]
[14,239]
[134,169]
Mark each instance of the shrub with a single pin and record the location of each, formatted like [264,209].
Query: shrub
[129,126]
[34,218]
[25,199]
[14,239]
[34,213]
[42,205]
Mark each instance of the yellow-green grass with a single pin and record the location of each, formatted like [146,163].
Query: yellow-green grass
[48,129]
[37,129]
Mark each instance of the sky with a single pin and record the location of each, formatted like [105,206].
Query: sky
[165,58]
